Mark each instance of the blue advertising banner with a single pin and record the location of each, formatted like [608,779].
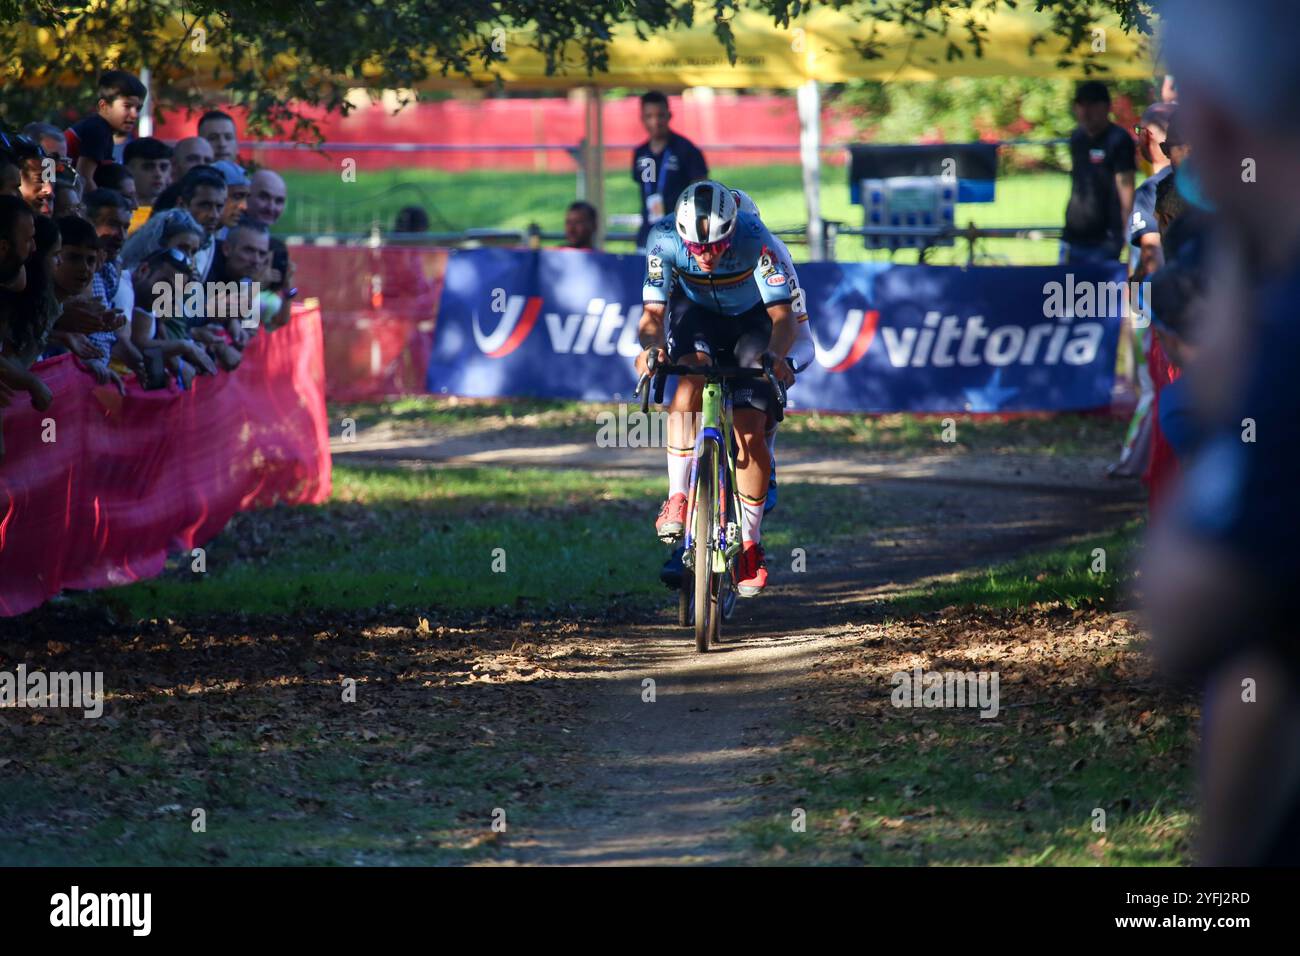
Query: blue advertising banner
[563,323]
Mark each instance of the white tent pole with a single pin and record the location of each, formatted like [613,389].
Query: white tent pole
[810,140]
[145,123]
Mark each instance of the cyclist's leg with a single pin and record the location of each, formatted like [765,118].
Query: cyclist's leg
[752,401]
[687,345]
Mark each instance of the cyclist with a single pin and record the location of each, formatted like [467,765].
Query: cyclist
[801,357]
[733,305]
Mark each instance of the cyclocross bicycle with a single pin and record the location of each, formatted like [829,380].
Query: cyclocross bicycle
[713,539]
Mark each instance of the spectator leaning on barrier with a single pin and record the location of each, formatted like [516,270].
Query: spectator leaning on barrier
[1103,162]
[110,213]
[170,229]
[663,165]
[267,199]
[218,129]
[580,225]
[176,230]
[17,240]
[153,335]
[93,139]
[203,196]
[28,316]
[190,152]
[28,309]
[36,186]
[238,276]
[73,275]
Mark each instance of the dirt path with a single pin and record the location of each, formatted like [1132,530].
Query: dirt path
[668,782]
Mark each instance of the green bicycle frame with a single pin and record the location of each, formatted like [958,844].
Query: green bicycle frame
[716,426]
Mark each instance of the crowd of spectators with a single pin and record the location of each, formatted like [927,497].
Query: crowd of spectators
[145,261]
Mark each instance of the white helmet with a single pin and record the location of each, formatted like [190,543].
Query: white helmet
[706,212]
[745,203]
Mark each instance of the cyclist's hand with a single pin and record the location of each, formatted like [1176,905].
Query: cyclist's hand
[784,375]
[642,360]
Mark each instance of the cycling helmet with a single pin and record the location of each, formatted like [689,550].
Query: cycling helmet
[706,213]
[744,203]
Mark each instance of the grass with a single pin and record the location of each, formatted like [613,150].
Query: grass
[321,202]
[944,788]
[1095,572]
[269,802]
[473,538]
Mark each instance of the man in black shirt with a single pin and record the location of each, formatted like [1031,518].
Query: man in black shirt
[1103,162]
[664,165]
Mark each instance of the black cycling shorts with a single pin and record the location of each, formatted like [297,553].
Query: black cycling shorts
[737,340]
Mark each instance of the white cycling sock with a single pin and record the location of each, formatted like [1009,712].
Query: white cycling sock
[679,469]
[752,521]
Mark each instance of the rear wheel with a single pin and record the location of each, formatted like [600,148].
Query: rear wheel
[706,477]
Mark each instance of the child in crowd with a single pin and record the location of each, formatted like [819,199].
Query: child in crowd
[92,140]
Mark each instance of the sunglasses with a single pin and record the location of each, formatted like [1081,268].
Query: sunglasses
[175,257]
[717,248]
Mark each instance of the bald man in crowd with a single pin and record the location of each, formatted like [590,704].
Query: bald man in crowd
[190,152]
[267,196]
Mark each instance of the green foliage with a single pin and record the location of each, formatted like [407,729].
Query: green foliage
[966,109]
[285,58]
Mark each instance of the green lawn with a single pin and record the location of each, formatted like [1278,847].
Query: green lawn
[508,199]
[1095,572]
[439,538]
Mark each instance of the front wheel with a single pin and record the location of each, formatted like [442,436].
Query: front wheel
[706,476]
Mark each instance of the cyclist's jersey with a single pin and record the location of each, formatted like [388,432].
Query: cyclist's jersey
[748,273]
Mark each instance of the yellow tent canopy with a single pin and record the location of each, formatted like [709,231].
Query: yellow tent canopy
[822,46]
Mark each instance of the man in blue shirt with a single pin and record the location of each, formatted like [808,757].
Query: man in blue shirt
[663,165]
